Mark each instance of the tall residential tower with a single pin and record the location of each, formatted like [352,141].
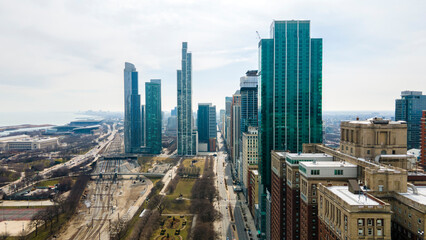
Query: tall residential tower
[184,105]
[132,110]
[153,115]
[290,96]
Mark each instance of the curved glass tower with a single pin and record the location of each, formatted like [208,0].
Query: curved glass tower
[132,110]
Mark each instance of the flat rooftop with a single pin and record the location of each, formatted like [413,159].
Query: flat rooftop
[307,155]
[420,197]
[328,164]
[351,198]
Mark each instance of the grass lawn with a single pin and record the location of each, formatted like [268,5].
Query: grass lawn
[184,229]
[52,182]
[47,183]
[199,163]
[177,207]
[183,187]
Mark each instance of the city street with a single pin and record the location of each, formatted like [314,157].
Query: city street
[230,227]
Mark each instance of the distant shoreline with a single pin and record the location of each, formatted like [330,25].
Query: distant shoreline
[17,127]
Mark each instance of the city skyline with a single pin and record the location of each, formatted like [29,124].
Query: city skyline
[67,61]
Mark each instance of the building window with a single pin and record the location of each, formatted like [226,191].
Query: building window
[338,172]
[368,151]
[379,222]
[370,222]
[379,232]
[315,172]
[370,232]
[360,232]
[419,221]
[360,222]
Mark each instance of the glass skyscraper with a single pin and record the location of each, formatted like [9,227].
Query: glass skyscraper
[206,124]
[290,95]
[132,110]
[153,116]
[248,91]
[409,108]
[184,105]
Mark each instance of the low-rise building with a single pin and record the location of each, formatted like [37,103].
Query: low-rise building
[249,154]
[409,213]
[372,137]
[253,190]
[347,213]
[285,194]
[25,143]
[311,175]
[292,198]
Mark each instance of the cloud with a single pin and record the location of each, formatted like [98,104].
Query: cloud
[69,55]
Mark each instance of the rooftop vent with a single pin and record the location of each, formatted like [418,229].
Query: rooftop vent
[354,187]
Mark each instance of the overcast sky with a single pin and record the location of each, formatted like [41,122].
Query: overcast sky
[69,55]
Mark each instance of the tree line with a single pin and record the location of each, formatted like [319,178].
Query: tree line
[50,216]
[203,194]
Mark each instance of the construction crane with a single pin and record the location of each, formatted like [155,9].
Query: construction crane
[258,35]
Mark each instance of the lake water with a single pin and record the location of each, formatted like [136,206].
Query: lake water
[54,118]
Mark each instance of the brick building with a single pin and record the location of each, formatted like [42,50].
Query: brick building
[311,175]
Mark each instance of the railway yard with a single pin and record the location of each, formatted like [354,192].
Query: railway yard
[108,198]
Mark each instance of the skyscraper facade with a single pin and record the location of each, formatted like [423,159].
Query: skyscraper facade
[227,128]
[132,110]
[235,127]
[423,140]
[184,104]
[143,125]
[248,91]
[206,125]
[290,94]
[153,116]
[409,108]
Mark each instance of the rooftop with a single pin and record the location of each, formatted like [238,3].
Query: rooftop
[328,164]
[420,197]
[376,120]
[307,155]
[351,198]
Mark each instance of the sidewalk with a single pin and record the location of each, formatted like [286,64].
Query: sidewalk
[250,220]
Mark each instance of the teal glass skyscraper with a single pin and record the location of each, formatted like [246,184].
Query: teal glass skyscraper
[153,116]
[184,105]
[409,108]
[132,108]
[206,125]
[290,95]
